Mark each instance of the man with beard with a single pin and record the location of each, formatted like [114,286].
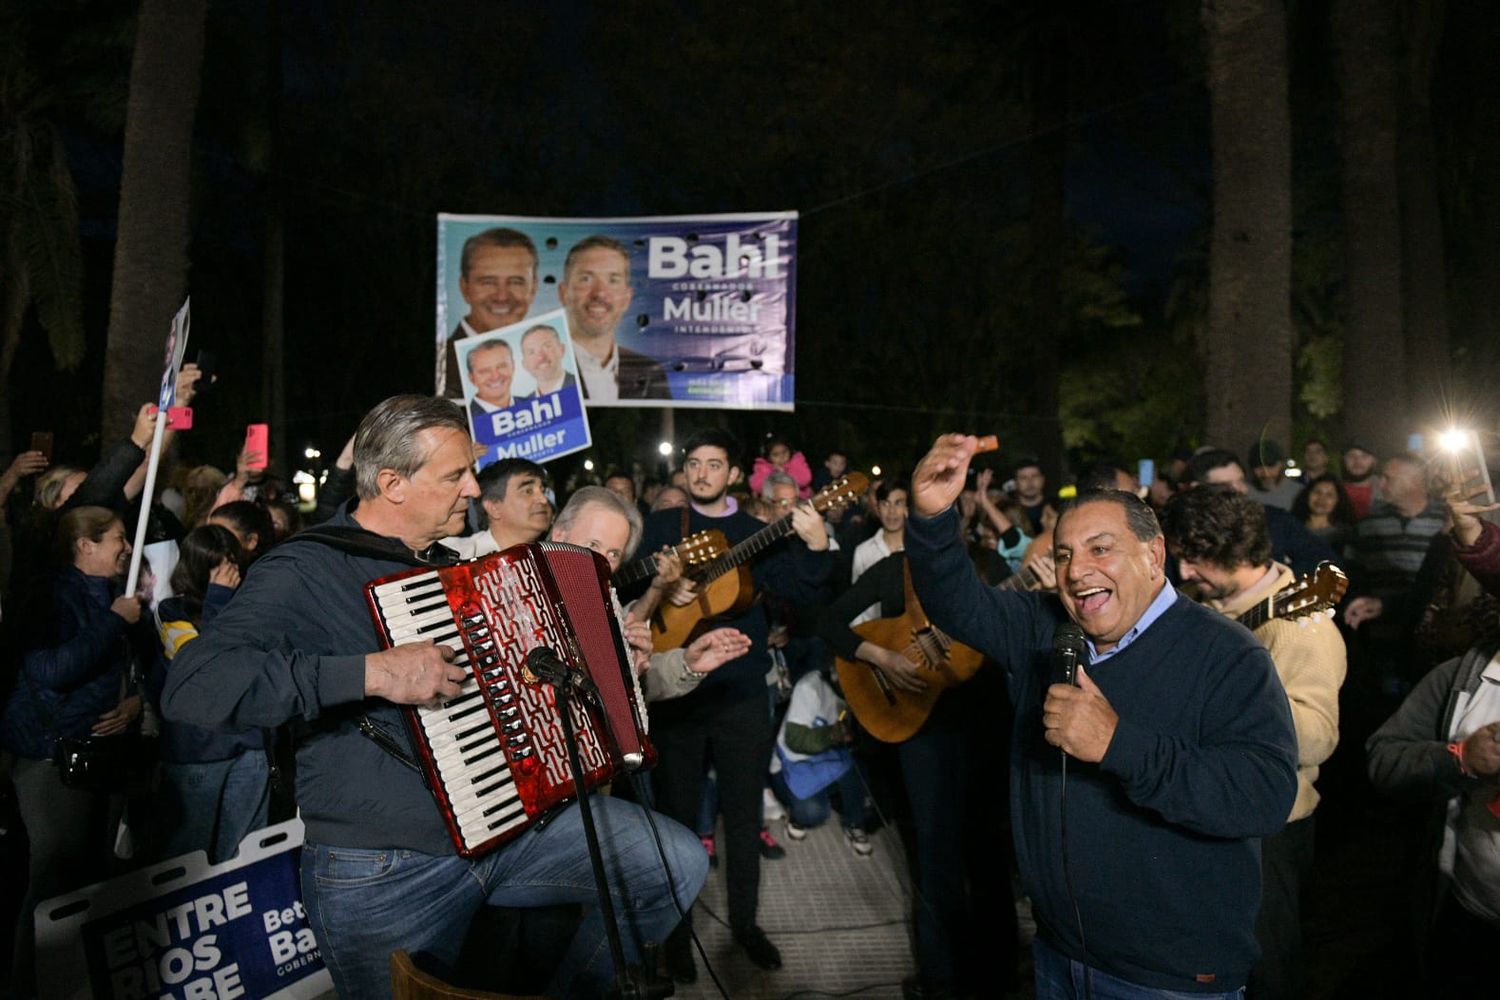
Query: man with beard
[1358,473]
[1220,541]
[595,291]
[726,718]
[542,357]
[497,278]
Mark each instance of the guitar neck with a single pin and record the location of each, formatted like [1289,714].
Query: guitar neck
[1258,614]
[642,569]
[749,548]
[1022,579]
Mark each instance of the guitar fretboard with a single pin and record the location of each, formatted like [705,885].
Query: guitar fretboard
[748,549]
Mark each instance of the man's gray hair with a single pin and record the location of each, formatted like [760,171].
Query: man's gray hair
[387,438]
[600,497]
[775,479]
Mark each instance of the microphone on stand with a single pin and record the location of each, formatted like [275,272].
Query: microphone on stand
[544,666]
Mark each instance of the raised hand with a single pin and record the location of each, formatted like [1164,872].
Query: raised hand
[712,650]
[939,477]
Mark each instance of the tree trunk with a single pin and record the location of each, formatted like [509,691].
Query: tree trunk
[1375,400]
[1247,346]
[1424,269]
[1047,231]
[151,250]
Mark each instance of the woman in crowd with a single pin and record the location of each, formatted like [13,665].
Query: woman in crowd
[1324,508]
[216,787]
[74,683]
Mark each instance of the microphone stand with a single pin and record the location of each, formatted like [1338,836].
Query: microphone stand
[626,986]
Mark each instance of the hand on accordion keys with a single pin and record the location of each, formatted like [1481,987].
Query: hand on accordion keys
[418,673]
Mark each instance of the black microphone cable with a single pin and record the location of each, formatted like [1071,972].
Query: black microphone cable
[1067,647]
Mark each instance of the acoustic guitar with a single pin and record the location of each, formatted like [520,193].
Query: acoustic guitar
[893,715]
[725,586]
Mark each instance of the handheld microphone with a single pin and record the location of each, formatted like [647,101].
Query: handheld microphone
[1068,646]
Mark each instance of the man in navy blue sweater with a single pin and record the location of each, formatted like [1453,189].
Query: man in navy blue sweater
[1138,795]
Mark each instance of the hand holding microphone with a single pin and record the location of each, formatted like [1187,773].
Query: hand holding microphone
[1077,716]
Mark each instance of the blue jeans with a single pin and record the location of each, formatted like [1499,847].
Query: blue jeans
[365,904]
[1061,978]
[213,806]
[815,809]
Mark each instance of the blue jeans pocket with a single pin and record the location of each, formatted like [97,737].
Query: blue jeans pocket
[352,866]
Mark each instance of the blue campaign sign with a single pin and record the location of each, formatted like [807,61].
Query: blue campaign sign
[681,311]
[521,389]
[188,931]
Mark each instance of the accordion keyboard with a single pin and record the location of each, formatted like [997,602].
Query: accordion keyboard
[467,749]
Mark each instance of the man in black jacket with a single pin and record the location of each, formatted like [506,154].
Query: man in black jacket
[379,872]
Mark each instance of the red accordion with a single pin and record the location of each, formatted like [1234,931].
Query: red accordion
[494,755]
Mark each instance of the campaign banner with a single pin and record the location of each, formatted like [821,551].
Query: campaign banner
[186,930]
[521,391]
[679,311]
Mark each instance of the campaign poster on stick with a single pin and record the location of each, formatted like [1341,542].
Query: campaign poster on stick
[679,311]
[521,391]
[187,930]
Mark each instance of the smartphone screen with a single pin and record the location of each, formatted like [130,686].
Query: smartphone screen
[1145,472]
[42,441]
[258,439]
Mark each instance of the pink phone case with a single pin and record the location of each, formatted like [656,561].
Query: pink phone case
[257,438]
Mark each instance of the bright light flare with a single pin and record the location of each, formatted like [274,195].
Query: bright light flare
[664,449]
[874,470]
[1454,439]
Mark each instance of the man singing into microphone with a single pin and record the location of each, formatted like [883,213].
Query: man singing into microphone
[1139,853]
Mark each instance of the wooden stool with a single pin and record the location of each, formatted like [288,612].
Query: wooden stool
[410,983]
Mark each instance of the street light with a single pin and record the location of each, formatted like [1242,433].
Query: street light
[588,465]
[664,449]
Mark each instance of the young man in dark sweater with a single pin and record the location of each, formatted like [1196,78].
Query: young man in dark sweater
[727,719]
[1138,795]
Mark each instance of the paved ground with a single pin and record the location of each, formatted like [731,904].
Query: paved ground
[839,920]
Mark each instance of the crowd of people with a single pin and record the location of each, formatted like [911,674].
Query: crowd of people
[1163,763]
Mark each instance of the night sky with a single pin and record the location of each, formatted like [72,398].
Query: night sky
[902,136]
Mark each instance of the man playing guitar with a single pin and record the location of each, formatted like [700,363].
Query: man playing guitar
[726,718]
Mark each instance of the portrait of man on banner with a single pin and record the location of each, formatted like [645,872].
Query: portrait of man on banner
[662,311]
[520,387]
